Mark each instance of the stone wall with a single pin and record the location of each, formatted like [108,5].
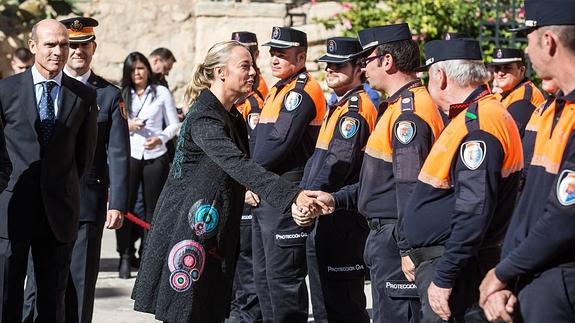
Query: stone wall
[188,28]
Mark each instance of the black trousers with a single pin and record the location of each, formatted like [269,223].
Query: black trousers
[279,265]
[464,295]
[547,297]
[245,305]
[336,269]
[152,175]
[395,299]
[81,288]
[51,266]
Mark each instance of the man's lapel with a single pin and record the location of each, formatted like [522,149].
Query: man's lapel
[67,101]
[28,96]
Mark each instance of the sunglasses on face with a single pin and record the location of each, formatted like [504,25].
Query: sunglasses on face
[366,60]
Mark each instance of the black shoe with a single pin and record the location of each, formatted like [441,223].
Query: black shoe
[135,262]
[125,270]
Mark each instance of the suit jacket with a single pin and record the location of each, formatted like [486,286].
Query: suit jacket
[110,167]
[45,180]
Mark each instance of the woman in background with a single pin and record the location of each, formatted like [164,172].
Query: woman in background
[149,108]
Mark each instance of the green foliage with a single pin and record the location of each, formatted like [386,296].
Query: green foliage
[427,19]
[28,12]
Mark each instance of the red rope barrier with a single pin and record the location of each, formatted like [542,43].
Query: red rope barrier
[137,221]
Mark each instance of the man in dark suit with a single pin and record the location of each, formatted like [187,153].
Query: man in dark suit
[109,169]
[50,130]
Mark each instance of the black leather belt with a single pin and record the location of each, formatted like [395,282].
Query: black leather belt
[376,223]
[419,255]
[292,176]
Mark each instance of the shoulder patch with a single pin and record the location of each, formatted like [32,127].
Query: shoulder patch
[405,131]
[122,107]
[292,101]
[348,127]
[566,188]
[253,119]
[473,153]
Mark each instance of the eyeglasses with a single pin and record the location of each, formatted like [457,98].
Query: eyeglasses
[367,60]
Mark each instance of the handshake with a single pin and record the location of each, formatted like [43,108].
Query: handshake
[307,206]
[310,205]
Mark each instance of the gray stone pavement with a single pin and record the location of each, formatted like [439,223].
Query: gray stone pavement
[113,303]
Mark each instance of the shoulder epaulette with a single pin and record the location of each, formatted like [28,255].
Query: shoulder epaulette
[528,92]
[354,103]
[472,118]
[407,102]
[301,81]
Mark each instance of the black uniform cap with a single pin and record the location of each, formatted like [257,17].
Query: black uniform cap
[245,37]
[445,50]
[507,55]
[341,49]
[80,29]
[375,36]
[455,35]
[540,13]
[285,37]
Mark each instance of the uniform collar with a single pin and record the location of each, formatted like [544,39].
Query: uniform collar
[518,85]
[82,78]
[568,98]
[287,80]
[477,94]
[408,86]
[347,95]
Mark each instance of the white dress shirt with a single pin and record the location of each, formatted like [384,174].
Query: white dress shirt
[155,110]
[39,89]
[82,78]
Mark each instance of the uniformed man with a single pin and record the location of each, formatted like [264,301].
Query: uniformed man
[395,151]
[108,171]
[460,207]
[245,305]
[284,140]
[519,95]
[335,245]
[538,259]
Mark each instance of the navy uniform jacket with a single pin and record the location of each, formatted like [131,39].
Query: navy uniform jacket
[395,151]
[338,153]
[542,232]
[521,101]
[110,167]
[467,186]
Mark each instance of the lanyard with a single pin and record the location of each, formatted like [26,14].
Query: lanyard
[142,105]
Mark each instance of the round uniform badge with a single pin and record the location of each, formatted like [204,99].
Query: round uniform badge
[566,188]
[473,153]
[405,131]
[253,119]
[276,33]
[499,54]
[331,46]
[348,127]
[292,101]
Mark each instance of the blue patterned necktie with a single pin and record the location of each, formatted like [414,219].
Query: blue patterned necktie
[46,111]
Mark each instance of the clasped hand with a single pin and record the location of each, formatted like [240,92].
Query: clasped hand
[311,204]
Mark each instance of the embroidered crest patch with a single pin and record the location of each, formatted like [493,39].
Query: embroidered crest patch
[122,107]
[292,101]
[253,119]
[566,188]
[473,153]
[405,131]
[348,127]
[276,32]
[331,46]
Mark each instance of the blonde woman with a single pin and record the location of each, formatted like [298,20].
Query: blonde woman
[188,264]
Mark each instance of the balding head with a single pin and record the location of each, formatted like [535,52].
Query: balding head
[49,43]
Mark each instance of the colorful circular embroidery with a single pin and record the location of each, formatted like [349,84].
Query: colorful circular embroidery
[180,281]
[187,255]
[204,219]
